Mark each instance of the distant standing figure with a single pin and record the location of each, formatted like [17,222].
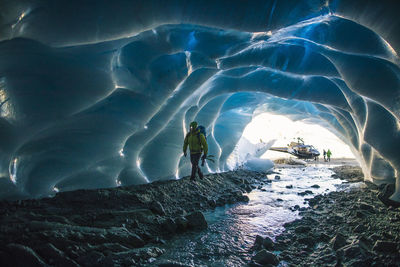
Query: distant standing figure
[324,155]
[197,144]
[328,154]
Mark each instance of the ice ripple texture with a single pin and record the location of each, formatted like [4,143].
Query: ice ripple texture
[101,95]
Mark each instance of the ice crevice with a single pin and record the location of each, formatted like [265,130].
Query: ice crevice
[109,104]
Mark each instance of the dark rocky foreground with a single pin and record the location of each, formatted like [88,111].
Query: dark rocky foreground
[131,226]
[345,228]
[122,226]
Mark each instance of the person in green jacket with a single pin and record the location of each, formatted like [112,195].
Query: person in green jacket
[197,144]
[328,154]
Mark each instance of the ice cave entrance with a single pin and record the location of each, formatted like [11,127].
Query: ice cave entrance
[268,127]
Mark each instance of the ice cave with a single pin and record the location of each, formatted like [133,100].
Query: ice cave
[98,94]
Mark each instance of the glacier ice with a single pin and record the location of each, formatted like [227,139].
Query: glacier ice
[100,95]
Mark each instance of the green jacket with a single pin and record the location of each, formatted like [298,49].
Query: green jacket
[195,146]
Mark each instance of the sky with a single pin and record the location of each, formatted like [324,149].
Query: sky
[268,126]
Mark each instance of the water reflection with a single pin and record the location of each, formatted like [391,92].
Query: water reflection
[233,228]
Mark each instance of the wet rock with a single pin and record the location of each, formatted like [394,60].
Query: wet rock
[385,246]
[172,264]
[258,241]
[265,257]
[243,198]
[212,203]
[197,221]
[289,186]
[338,241]
[277,177]
[268,243]
[315,186]
[279,199]
[307,192]
[23,256]
[157,208]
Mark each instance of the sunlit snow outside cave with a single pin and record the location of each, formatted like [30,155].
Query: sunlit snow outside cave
[266,127]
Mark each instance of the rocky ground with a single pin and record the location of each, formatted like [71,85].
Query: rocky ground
[123,226]
[345,228]
[131,226]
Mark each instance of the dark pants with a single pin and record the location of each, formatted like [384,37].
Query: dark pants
[194,159]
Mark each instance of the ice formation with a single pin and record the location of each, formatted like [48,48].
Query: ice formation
[100,94]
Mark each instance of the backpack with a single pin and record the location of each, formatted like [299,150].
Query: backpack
[203,131]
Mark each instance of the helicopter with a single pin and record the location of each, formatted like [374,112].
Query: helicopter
[299,149]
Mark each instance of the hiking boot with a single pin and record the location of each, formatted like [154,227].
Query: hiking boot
[201,175]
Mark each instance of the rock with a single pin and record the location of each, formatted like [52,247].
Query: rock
[307,240]
[123,236]
[338,241]
[181,223]
[384,196]
[172,264]
[157,208]
[268,243]
[23,256]
[212,203]
[55,256]
[279,199]
[302,229]
[197,221]
[359,228]
[385,246]
[315,186]
[243,198]
[289,186]
[367,207]
[354,250]
[259,241]
[93,258]
[265,257]
[307,192]
[170,225]
[277,177]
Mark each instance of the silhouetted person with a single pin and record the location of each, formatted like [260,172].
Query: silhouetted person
[328,154]
[197,144]
[324,155]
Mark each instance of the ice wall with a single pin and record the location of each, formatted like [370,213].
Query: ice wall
[100,93]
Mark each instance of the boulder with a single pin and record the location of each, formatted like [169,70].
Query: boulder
[338,241]
[181,223]
[170,225]
[268,243]
[265,257]
[197,221]
[385,246]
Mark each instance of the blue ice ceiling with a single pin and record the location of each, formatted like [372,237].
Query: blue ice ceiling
[100,93]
